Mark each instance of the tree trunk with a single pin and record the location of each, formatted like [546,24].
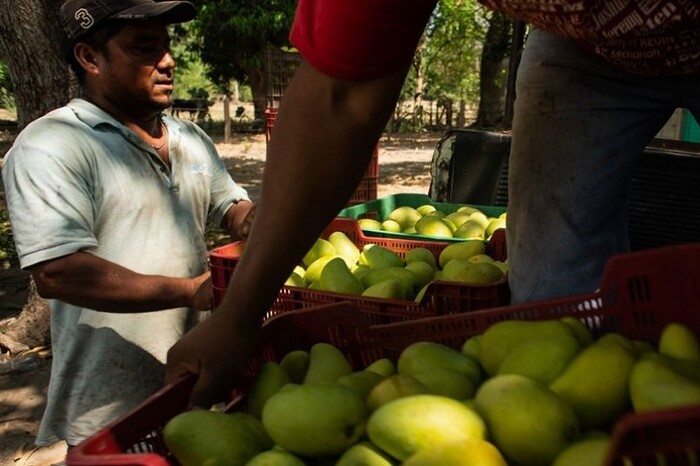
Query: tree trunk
[227,118]
[492,75]
[258,86]
[30,44]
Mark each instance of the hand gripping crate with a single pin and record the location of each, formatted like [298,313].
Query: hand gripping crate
[640,293]
[441,297]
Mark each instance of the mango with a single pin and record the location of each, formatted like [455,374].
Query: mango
[210,437]
[326,364]
[527,421]
[466,452]
[320,248]
[407,425]
[315,420]
[461,250]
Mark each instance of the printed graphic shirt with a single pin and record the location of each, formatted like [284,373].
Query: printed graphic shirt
[365,39]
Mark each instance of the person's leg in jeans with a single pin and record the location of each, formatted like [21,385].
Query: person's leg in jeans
[579,124]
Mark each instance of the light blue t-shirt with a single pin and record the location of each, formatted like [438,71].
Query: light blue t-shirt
[77,179]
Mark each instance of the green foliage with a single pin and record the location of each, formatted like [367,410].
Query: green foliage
[7,99]
[8,253]
[191,78]
[450,53]
[231,35]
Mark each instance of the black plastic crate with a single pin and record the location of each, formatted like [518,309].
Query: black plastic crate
[280,66]
[471,167]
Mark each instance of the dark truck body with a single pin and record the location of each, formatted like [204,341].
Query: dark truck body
[471,166]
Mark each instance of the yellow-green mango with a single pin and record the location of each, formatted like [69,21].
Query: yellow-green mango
[464,452]
[275,457]
[461,250]
[542,359]
[295,363]
[470,347]
[527,421]
[361,381]
[498,339]
[379,257]
[585,452]
[596,382]
[432,225]
[213,438]
[481,273]
[383,366]
[679,341]
[494,224]
[337,278]
[369,224]
[345,247]
[406,277]
[426,209]
[393,387]
[655,385]
[424,355]
[446,382]
[313,271]
[320,248]
[391,225]
[420,254]
[470,230]
[406,425]
[364,453]
[581,332]
[315,420]
[405,216]
[326,364]
[423,272]
[267,381]
[386,289]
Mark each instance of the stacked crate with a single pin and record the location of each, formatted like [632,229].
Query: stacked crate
[280,66]
[640,293]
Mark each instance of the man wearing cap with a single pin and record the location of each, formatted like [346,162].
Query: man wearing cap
[108,200]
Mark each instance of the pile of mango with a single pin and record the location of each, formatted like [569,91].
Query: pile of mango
[338,265]
[466,222]
[531,393]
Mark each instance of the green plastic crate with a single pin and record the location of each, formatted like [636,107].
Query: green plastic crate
[379,209]
[691,129]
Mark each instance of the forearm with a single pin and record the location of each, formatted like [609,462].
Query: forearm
[85,280]
[323,140]
[236,221]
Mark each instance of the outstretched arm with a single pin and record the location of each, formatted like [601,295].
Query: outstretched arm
[325,133]
[84,279]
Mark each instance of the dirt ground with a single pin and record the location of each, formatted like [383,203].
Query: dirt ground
[404,166]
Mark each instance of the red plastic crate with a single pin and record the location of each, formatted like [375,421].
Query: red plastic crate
[666,276]
[441,297]
[270,117]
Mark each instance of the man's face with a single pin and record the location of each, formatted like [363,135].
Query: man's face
[136,70]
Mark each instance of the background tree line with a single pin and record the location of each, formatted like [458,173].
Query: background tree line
[462,57]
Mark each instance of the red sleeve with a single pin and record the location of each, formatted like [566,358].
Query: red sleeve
[359,39]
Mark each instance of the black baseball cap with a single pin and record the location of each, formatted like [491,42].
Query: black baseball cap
[81,16]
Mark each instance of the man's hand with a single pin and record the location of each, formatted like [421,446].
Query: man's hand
[203,298]
[217,351]
[239,219]
[249,216]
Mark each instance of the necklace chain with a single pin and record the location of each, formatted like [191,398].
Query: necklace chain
[164,135]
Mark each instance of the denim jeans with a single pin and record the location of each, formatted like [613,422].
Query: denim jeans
[578,126]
